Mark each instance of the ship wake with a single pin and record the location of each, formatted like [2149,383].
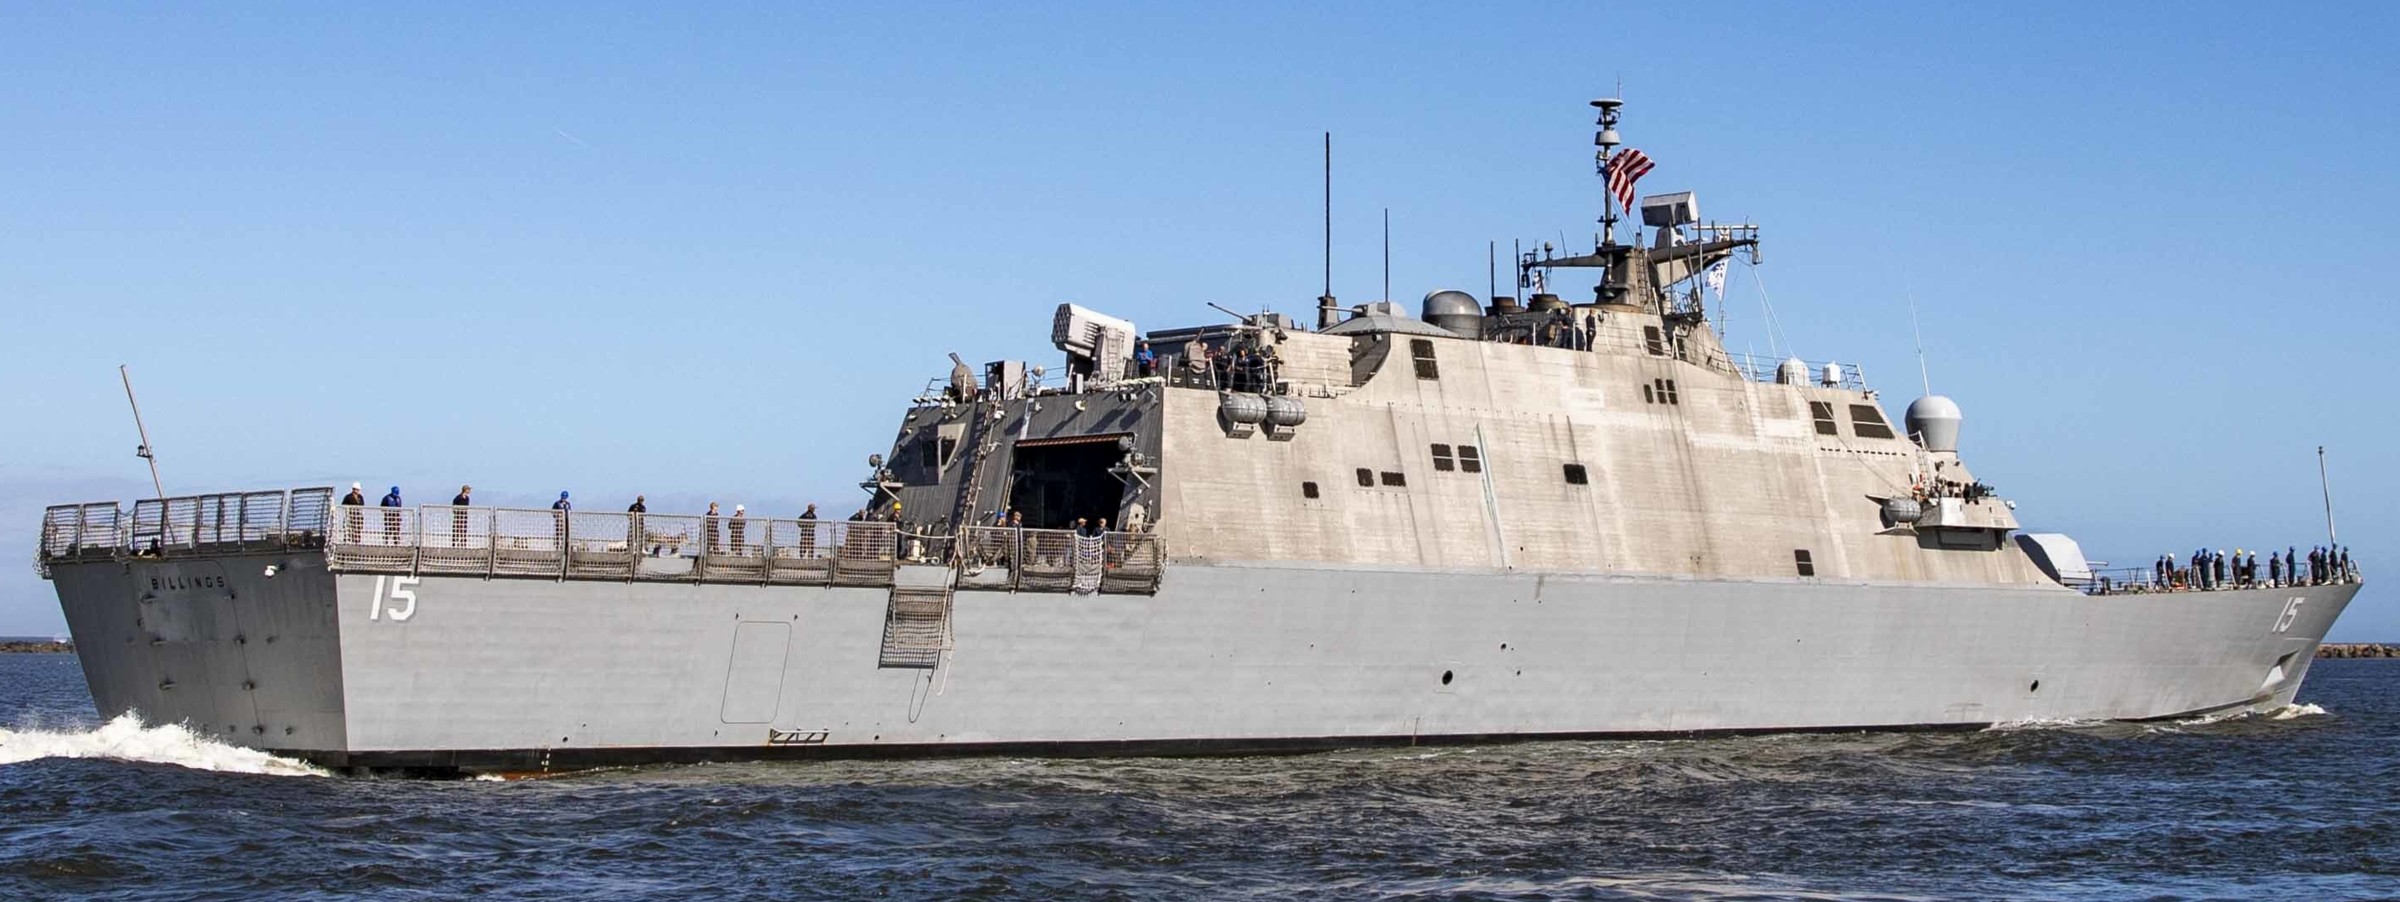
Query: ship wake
[2289,712]
[127,738]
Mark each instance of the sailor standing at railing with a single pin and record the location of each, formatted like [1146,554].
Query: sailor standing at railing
[353,520]
[558,520]
[634,537]
[458,515]
[391,516]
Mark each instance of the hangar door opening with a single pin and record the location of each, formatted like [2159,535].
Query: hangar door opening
[1053,481]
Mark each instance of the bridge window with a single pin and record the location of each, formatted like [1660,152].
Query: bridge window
[1308,490]
[1868,422]
[1576,475]
[1441,458]
[1366,478]
[1823,414]
[1801,562]
[1469,459]
[1395,480]
[1421,349]
[1653,341]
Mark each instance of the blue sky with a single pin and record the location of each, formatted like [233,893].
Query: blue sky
[708,254]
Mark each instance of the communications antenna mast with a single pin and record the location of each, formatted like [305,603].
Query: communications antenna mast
[1607,140]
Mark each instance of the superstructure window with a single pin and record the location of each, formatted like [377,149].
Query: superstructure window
[1576,475]
[1395,480]
[1308,490]
[1823,414]
[1801,562]
[1441,459]
[1366,478]
[1661,391]
[1867,422]
[1469,459]
[1653,342]
[1421,350]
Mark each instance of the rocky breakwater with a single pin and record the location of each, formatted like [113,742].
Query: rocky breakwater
[2358,650]
[37,645]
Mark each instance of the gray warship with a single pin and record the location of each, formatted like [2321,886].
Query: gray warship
[1499,519]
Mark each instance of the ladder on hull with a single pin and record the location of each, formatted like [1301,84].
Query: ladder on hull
[916,622]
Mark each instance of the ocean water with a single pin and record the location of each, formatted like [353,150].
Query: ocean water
[2301,804]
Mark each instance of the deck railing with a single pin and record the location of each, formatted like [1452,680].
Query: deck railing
[1062,560]
[186,525]
[518,542]
[2144,580]
[1763,369]
[79,532]
[496,541]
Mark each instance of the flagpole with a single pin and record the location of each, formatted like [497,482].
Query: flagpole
[2326,486]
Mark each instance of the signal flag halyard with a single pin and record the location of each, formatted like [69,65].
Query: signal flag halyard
[1623,170]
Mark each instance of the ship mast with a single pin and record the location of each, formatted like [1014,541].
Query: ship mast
[1607,140]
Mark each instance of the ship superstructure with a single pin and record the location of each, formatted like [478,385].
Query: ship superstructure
[1499,518]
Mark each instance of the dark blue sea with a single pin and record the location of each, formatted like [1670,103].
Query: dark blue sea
[2301,805]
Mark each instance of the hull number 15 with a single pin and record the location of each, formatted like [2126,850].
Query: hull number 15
[2291,612]
[402,594]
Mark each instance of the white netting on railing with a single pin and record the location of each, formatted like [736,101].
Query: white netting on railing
[803,540]
[453,539]
[1091,559]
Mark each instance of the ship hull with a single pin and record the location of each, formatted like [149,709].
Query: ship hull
[466,673]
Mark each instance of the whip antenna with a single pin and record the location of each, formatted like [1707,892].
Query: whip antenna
[1922,373]
[1329,313]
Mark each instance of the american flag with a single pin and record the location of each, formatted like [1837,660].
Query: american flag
[1623,170]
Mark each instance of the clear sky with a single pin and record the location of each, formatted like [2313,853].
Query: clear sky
[709,254]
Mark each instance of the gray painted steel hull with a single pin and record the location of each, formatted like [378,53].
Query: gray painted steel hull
[531,673]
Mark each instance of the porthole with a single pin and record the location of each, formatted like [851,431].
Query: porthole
[1446,676]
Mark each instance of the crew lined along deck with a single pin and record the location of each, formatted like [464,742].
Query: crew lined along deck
[509,542]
